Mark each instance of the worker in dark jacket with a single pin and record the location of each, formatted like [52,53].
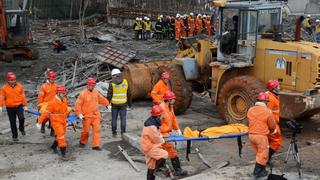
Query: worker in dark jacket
[120,98]
[159,29]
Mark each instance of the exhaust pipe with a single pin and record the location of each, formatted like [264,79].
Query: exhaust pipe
[297,35]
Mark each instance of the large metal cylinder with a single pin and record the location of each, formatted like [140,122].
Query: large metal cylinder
[142,77]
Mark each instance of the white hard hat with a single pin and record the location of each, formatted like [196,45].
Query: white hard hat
[204,16]
[318,20]
[308,15]
[178,15]
[147,19]
[191,14]
[199,15]
[137,18]
[115,71]
[161,16]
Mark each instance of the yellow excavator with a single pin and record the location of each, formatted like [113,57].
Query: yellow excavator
[250,50]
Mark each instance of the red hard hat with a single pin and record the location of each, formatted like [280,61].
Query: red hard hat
[91,81]
[272,84]
[156,110]
[263,96]
[11,76]
[169,95]
[61,89]
[165,75]
[52,75]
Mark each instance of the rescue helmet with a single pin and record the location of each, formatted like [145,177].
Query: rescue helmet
[169,95]
[165,75]
[272,83]
[11,76]
[61,89]
[137,18]
[262,96]
[308,15]
[115,71]
[191,14]
[199,15]
[178,15]
[318,20]
[204,16]
[91,81]
[52,75]
[156,110]
[145,18]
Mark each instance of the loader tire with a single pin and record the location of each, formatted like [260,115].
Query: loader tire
[180,86]
[236,97]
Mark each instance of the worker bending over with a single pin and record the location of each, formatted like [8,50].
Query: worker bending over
[170,124]
[57,111]
[13,97]
[87,109]
[47,93]
[151,143]
[275,140]
[160,88]
[261,123]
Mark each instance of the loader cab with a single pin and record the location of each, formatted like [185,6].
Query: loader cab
[17,27]
[241,24]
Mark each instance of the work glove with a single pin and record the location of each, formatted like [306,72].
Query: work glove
[129,108]
[81,117]
[1,109]
[25,108]
[109,108]
[38,126]
[274,132]
[162,139]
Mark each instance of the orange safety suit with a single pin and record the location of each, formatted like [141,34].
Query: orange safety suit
[158,91]
[275,140]
[47,92]
[191,24]
[207,24]
[261,123]
[199,25]
[168,123]
[177,27]
[183,31]
[87,104]
[57,112]
[12,97]
[151,141]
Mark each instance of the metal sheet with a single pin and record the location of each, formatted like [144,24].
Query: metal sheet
[114,56]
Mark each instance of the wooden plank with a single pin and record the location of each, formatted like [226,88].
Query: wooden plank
[125,154]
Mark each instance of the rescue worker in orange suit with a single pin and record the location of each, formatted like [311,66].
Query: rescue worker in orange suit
[13,97]
[177,27]
[275,140]
[199,25]
[207,24]
[183,31]
[191,25]
[57,112]
[261,124]
[160,88]
[151,143]
[170,124]
[87,109]
[47,93]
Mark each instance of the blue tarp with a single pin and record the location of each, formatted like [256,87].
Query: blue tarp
[70,119]
[205,138]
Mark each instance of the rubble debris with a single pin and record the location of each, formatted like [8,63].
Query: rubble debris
[114,56]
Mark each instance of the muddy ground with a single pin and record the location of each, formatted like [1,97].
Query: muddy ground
[31,157]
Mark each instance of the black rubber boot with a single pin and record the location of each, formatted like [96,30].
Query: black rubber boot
[177,167]
[260,171]
[54,147]
[160,170]
[43,126]
[256,170]
[63,154]
[150,175]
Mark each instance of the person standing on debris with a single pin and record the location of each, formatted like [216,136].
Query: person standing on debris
[207,24]
[191,25]
[160,88]
[87,109]
[120,97]
[170,124]
[177,27]
[199,25]
[167,27]
[275,140]
[307,24]
[183,27]
[13,97]
[171,28]
[57,111]
[261,123]
[138,28]
[47,93]
[148,26]
[318,30]
[151,143]
[159,29]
